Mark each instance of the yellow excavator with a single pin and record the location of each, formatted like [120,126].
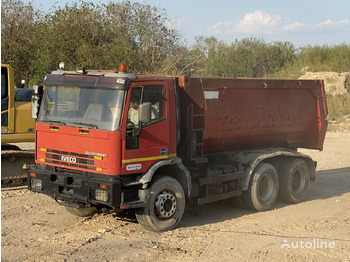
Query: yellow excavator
[17,126]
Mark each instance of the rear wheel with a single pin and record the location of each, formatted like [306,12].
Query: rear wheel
[165,207]
[82,211]
[294,180]
[263,188]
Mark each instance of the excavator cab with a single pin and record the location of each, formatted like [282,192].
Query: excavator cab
[16,122]
[7,85]
[16,126]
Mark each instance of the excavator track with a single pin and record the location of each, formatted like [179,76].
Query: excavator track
[14,166]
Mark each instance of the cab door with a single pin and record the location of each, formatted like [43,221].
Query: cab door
[155,140]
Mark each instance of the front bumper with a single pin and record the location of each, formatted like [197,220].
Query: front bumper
[75,188]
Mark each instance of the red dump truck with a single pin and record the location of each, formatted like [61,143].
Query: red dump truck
[110,141]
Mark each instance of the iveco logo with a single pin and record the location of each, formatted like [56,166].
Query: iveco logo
[69,159]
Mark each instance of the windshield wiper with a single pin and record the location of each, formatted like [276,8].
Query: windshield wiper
[54,122]
[85,124]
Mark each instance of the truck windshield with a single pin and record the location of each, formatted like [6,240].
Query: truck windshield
[96,108]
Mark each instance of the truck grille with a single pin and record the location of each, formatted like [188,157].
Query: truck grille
[70,159]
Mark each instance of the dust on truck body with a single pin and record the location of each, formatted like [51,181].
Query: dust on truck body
[114,141]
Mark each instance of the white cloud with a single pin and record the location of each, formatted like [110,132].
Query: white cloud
[294,27]
[274,26]
[219,27]
[326,25]
[258,22]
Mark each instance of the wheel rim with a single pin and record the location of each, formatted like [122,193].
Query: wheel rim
[266,188]
[298,181]
[165,205]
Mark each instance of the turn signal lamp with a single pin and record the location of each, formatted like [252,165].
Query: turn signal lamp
[36,184]
[61,65]
[122,68]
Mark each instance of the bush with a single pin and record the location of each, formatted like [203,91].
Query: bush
[338,106]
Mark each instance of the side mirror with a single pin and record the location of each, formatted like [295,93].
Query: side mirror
[36,100]
[144,117]
[145,112]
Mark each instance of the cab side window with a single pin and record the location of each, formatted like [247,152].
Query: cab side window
[156,96]
[142,94]
[135,100]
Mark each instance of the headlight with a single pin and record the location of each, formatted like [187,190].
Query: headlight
[36,184]
[101,195]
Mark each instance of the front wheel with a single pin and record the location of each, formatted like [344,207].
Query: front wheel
[82,211]
[263,188]
[165,207]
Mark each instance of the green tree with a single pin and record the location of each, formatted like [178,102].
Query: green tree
[18,22]
[316,58]
[77,35]
[249,57]
[154,37]
[326,58]
[102,36]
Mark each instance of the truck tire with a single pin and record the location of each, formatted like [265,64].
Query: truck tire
[238,202]
[165,207]
[82,211]
[262,192]
[294,180]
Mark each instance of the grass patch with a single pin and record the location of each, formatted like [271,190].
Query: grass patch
[338,106]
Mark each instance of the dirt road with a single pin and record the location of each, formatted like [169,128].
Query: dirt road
[35,228]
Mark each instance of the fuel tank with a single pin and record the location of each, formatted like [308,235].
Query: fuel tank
[224,114]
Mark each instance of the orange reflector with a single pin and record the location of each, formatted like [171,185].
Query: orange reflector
[32,174]
[103,186]
[122,68]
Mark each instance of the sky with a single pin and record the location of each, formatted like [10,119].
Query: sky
[301,22]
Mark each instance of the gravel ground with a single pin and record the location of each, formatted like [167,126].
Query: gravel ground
[35,228]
